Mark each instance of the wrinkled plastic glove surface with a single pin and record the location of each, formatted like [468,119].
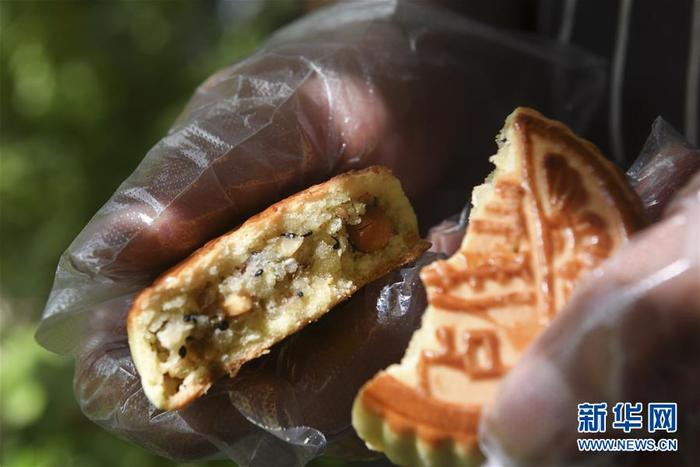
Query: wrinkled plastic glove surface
[666,163]
[281,409]
[391,83]
[631,333]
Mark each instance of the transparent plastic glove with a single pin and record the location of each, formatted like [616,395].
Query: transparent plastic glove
[386,82]
[667,162]
[631,333]
[447,236]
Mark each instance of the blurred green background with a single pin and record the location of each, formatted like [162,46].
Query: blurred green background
[85,90]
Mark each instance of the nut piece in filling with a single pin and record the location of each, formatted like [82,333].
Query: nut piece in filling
[373,231]
[553,209]
[243,292]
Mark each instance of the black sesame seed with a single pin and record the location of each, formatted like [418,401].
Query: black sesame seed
[182,352]
[288,235]
[258,273]
[336,246]
[300,294]
[223,325]
[307,234]
[189,317]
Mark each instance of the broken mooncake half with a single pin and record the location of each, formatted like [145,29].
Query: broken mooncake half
[552,210]
[250,288]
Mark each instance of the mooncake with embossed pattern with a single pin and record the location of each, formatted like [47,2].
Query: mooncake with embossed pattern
[553,209]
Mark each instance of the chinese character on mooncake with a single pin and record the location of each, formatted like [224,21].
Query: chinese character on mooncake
[552,210]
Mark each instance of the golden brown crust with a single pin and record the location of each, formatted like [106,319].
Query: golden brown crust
[631,209]
[197,391]
[407,411]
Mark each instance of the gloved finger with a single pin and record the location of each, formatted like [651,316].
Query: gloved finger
[335,120]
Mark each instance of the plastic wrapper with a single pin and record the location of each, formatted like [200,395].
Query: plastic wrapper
[666,163]
[447,236]
[387,82]
[631,333]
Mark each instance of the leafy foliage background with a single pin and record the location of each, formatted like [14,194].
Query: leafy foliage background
[86,88]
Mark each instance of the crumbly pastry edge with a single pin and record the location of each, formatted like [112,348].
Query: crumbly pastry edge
[138,345]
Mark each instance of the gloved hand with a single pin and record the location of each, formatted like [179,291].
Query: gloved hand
[631,333]
[392,83]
